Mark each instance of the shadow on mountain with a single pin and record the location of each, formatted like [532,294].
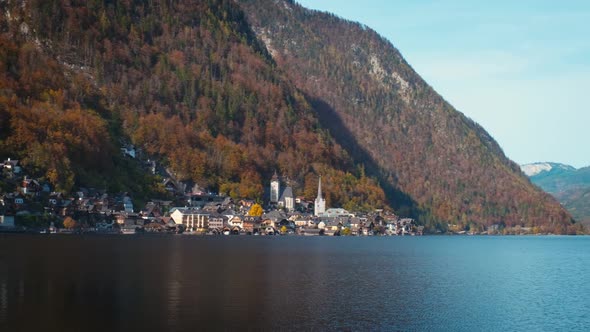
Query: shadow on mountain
[403,204]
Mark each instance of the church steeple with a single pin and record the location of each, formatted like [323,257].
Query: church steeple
[320,202]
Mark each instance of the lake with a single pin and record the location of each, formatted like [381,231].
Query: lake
[188,283]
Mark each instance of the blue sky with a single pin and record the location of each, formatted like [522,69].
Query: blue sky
[519,68]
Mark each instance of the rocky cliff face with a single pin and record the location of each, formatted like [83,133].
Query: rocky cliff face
[431,159]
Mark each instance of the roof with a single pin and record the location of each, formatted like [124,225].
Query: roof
[274,215]
[287,193]
[185,210]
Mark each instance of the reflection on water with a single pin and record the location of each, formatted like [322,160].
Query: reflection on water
[178,283]
[173,289]
[3,301]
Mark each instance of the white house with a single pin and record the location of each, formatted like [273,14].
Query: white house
[190,218]
[335,212]
[236,221]
[128,150]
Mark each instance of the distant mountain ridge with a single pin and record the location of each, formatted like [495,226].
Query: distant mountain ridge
[539,168]
[569,185]
[556,177]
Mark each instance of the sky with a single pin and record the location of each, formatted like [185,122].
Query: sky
[521,68]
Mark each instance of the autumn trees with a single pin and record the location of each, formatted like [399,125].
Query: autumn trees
[187,82]
[433,162]
[255,210]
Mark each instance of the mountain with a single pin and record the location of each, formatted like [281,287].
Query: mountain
[555,177]
[187,82]
[544,169]
[569,185]
[432,160]
[224,93]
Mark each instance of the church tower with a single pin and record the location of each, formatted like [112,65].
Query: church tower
[320,202]
[274,189]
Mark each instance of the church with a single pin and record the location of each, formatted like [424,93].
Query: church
[284,199]
[319,205]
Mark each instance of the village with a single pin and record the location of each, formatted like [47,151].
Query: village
[34,208]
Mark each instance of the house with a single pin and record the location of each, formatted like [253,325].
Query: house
[54,199]
[151,211]
[65,207]
[333,225]
[174,186]
[128,150]
[104,227]
[301,221]
[268,223]
[367,227]
[405,225]
[236,221]
[6,221]
[335,212]
[275,216]
[217,222]
[19,202]
[192,219]
[12,166]
[251,224]
[30,186]
[155,227]
[247,203]
[129,219]
[356,224]
[127,204]
[287,223]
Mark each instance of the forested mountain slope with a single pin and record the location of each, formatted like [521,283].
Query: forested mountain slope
[224,93]
[187,81]
[379,109]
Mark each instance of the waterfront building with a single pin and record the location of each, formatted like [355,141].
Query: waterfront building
[192,219]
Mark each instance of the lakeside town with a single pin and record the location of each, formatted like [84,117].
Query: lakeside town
[33,207]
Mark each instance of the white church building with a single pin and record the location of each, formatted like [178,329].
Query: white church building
[319,203]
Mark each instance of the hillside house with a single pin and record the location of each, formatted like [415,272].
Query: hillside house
[6,221]
[11,166]
[30,186]
[128,150]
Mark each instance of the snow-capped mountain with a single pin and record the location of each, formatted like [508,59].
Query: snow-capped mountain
[570,186]
[537,168]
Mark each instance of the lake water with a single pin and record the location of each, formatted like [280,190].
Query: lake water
[189,283]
